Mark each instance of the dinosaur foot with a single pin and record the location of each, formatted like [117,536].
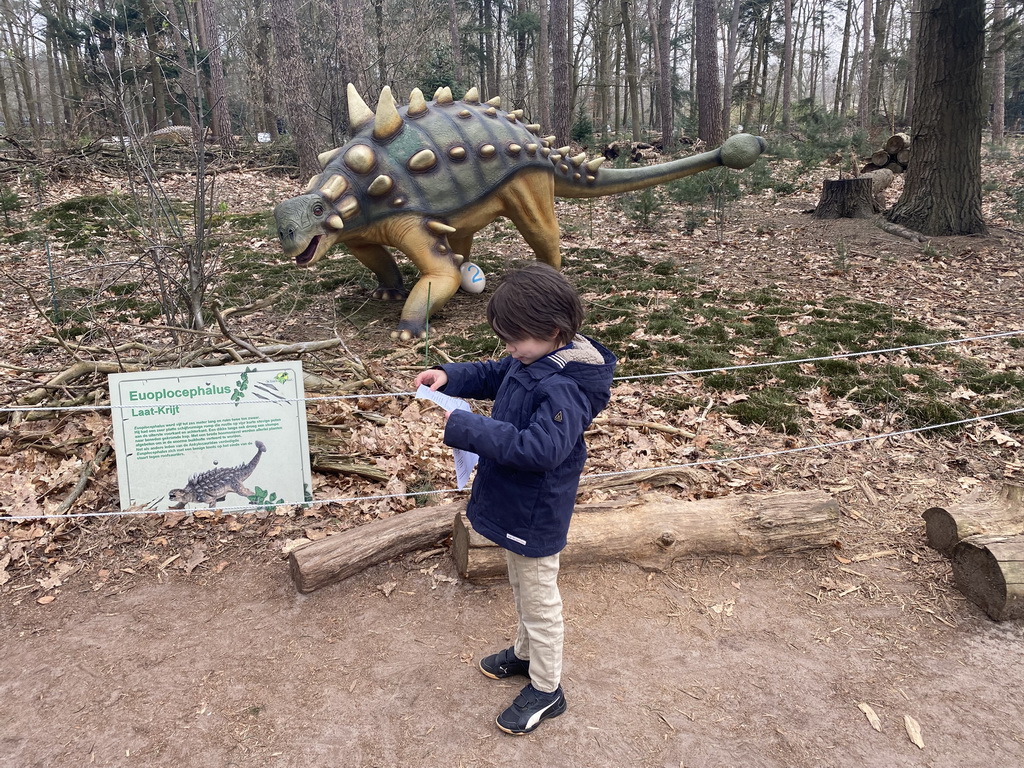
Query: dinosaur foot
[407,331]
[390,294]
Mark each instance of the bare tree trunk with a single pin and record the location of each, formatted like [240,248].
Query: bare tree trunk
[942,187]
[632,78]
[864,105]
[787,62]
[456,40]
[295,85]
[561,111]
[843,74]
[158,111]
[663,27]
[915,32]
[543,68]
[998,54]
[709,94]
[731,49]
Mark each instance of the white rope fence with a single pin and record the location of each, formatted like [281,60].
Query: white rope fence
[333,398]
[253,508]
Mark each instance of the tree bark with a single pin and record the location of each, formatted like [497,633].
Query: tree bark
[731,49]
[864,103]
[846,199]
[989,570]
[654,530]
[709,91]
[295,85]
[664,30]
[998,53]
[345,554]
[632,80]
[1003,515]
[942,191]
[221,117]
[561,111]
[787,62]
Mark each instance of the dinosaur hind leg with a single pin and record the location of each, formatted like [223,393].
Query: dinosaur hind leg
[379,260]
[530,204]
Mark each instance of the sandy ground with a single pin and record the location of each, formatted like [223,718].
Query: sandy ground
[716,662]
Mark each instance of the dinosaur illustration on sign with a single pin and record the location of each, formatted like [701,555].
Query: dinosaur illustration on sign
[215,484]
[426,177]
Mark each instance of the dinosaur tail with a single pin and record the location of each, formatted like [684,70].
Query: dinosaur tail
[739,151]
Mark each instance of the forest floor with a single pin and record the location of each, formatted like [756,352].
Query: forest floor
[180,640]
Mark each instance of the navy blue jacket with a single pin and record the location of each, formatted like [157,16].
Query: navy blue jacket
[531,448]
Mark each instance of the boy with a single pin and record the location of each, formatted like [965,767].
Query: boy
[546,392]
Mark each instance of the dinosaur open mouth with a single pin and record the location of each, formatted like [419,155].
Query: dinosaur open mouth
[307,255]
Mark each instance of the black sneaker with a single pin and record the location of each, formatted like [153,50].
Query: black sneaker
[530,708]
[504,664]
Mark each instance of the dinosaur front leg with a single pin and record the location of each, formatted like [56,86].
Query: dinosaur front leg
[379,260]
[427,247]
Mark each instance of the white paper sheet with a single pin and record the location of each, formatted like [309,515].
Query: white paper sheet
[464,460]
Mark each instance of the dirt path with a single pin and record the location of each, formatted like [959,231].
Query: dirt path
[720,662]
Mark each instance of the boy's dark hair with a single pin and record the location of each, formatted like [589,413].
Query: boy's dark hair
[532,302]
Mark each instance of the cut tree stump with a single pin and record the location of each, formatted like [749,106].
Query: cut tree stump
[345,554]
[653,530]
[989,570]
[1001,515]
[846,199]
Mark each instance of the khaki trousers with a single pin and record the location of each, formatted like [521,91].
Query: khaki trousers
[534,583]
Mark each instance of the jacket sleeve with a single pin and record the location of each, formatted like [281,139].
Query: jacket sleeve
[479,380]
[554,428]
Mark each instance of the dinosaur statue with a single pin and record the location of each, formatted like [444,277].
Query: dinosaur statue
[214,485]
[425,177]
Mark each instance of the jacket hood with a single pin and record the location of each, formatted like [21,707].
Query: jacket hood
[585,361]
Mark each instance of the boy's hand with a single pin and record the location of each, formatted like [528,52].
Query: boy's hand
[434,378]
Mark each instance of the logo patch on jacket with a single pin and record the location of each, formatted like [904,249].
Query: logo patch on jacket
[558,417]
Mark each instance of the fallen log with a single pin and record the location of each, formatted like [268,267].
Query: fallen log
[345,554]
[880,158]
[1002,515]
[846,199]
[897,142]
[989,571]
[653,530]
[881,179]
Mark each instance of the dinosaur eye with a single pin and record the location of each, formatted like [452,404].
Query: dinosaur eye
[318,209]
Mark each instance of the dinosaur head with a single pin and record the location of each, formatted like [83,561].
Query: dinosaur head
[307,226]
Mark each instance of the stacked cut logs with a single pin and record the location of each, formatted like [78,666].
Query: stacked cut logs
[894,155]
[985,542]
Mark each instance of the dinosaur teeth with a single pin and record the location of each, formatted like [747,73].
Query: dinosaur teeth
[594,164]
[358,113]
[457,153]
[444,95]
[334,187]
[440,228]
[423,160]
[325,157]
[417,104]
[495,102]
[335,221]
[578,160]
[360,158]
[472,96]
[380,186]
[387,121]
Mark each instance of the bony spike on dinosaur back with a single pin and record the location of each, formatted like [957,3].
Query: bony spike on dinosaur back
[426,177]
